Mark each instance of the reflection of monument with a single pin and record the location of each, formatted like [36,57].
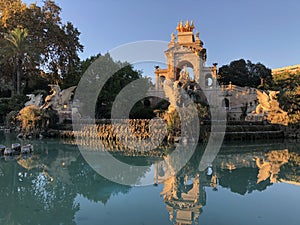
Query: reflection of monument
[55,170]
[240,170]
[183,193]
[45,187]
[184,198]
[270,167]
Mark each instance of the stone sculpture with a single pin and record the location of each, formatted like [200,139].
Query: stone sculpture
[267,102]
[52,101]
[34,100]
[58,100]
[269,108]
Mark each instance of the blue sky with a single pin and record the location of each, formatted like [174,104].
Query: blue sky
[266,31]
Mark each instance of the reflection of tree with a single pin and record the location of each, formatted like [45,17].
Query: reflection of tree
[241,181]
[41,189]
[28,197]
[290,172]
[91,185]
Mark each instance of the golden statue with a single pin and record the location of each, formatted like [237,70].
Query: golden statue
[188,27]
[192,25]
[179,26]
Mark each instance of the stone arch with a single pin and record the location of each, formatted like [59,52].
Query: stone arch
[183,63]
[162,80]
[180,65]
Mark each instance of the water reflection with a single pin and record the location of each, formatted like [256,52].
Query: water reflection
[242,171]
[44,186]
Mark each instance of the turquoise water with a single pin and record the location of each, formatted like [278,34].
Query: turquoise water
[254,183]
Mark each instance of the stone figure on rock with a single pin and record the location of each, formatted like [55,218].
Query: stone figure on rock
[269,108]
[58,100]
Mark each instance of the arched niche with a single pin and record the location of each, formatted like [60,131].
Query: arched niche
[162,80]
[181,65]
[225,103]
[209,82]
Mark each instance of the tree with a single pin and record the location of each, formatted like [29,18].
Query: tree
[15,47]
[120,75]
[124,75]
[54,44]
[286,80]
[11,11]
[289,86]
[243,73]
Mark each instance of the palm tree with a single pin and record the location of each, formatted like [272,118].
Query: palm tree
[16,49]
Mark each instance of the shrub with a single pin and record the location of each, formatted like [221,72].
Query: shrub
[31,119]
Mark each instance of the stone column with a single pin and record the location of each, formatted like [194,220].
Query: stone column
[157,81]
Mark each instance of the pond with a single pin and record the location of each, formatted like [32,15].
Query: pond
[247,183]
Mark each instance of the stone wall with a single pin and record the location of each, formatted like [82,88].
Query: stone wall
[292,131]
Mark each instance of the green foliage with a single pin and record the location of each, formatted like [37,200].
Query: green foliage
[50,44]
[11,118]
[73,77]
[34,82]
[15,104]
[289,86]
[287,81]
[244,73]
[124,75]
[3,108]
[14,48]
[121,75]
[290,101]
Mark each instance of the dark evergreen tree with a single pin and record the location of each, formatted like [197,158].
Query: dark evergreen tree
[245,73]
